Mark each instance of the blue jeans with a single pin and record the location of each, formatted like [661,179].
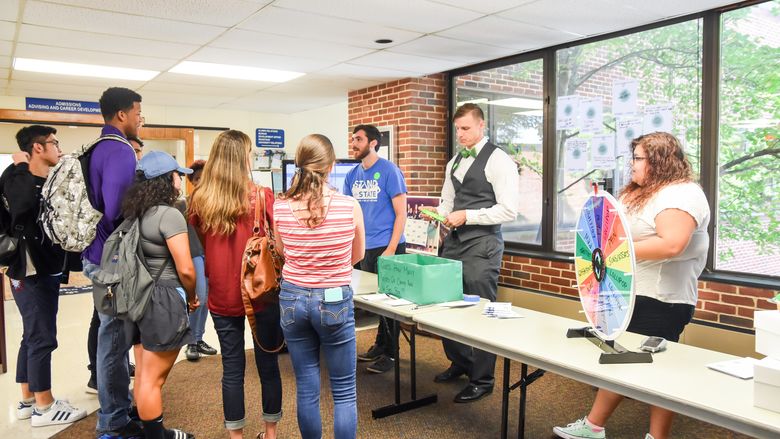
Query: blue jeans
[113,376]
[37,298]
[310,324]
[198,317]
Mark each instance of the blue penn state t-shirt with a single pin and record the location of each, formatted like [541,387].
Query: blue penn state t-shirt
[374,188]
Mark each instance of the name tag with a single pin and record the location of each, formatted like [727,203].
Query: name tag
[334,294]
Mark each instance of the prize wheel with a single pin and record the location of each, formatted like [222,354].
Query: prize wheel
[605,264]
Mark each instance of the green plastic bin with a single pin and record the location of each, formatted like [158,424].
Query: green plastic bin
[421,279]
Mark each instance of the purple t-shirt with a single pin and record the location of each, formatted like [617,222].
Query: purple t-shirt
[111,172]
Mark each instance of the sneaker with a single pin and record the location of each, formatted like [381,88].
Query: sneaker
[61,412]
[372,354]
[92,386]
[579,430]
[133,430]
[649,436]
[131,369]
[178,434]
[205,349]
[192,353]
[24,410]
[382,365]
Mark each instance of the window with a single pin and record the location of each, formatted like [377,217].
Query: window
[748,174]
[655,76]
[512,99]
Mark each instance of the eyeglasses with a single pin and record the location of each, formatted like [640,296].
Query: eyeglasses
[56,143]
[637,158]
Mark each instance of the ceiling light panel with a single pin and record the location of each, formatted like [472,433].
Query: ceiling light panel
[234,72]
[319,28]
[115,44]
[221,13]
[413,15]
[239,39]
[114,23]
[76,69]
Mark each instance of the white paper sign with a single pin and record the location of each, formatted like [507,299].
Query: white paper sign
[627,130]
[624,97]
[658,118]
[576,159]
[602,152]
[591,115]
[566,112]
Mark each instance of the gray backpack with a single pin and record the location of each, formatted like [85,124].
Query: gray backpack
[122,286]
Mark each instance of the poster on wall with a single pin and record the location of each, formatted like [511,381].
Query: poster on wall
[591,115]
[628,129]
[658,118]
[576,159]
[421,236]
[387,143]
[624,97]
[566,112]
[602,152]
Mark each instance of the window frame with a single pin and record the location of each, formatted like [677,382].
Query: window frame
[710,120]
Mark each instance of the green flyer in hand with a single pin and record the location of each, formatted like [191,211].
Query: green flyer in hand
[433,215]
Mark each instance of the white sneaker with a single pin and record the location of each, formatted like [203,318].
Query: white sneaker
[579,429]
[61,412]
[24,410]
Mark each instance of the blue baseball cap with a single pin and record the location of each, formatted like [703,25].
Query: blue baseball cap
[157,163]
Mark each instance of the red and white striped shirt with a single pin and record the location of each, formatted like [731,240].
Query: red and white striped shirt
[319,257]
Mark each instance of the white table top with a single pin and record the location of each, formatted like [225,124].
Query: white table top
[678,378]
[363,282]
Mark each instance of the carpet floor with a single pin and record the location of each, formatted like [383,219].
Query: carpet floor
[193,402]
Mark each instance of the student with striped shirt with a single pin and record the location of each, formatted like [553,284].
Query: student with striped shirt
[322,236]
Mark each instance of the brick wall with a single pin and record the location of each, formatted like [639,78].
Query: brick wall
[417,109]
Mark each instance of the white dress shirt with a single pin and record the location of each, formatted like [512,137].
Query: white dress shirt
[501,173]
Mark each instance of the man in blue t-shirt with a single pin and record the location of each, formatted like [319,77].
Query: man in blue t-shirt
[379,186]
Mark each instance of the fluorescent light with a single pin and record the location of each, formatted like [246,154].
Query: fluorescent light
[75,69]
[531,104]
[234,72]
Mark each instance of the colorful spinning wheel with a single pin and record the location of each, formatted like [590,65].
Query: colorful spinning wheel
[604,262]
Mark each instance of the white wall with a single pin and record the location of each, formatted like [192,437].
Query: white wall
[330,121]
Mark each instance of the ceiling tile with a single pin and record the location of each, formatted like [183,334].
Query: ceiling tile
[417,65]
[485,6]
[463,52]
[254,59]
[578,17]
[115,23]
[5,62]
[7,30]
[511,34]
[224,13]
[364,72]
[267,102]
[671,8]
[157,85]
[316,82]
[9,10]
[6,47]
[26,50]
[183,99]
[43,81]
[207,82]
[46,89]
[239,39]
[103,43]
[414,15]
[317,27]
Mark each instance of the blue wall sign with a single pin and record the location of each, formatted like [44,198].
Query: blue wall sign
[269,138]
[62,106]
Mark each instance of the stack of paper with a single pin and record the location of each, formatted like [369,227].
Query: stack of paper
[741,368]
[501,310]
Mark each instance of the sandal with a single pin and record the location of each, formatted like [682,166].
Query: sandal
[261,435]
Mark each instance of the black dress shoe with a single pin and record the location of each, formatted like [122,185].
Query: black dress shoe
[473,393]
[451,374]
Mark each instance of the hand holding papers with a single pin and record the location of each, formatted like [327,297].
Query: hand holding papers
[501,310]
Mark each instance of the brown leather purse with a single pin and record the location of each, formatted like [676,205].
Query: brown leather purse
[261,267]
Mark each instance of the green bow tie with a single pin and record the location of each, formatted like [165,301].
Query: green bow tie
[466,152]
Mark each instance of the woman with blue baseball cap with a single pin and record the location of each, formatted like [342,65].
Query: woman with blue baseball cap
[164,327]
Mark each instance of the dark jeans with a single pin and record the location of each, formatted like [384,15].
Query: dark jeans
[230,331]
[37,298]
[369,263]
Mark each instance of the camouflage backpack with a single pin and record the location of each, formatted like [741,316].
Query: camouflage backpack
[67,215]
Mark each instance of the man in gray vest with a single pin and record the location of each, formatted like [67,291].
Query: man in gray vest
[480,193]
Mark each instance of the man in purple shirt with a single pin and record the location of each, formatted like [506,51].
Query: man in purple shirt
[111,172]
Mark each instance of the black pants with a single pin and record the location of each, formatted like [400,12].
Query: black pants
[92,342]
[230,331]
[481,258]
[37,298]
[369,263]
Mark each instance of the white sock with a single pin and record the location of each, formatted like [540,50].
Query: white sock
[29,400]
[593,426]
[45,408]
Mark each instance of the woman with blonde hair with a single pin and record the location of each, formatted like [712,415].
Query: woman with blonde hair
[222,211]
[322,236]
[668,215]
